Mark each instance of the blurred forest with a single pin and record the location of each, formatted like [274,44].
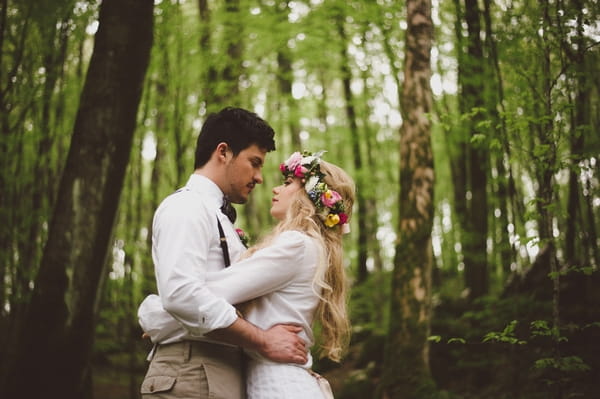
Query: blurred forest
[470,127]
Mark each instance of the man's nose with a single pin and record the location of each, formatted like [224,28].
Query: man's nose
[258,179]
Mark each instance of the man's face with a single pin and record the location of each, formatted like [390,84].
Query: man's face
[243,172]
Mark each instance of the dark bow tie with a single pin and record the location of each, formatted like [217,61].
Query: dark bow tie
[228,210]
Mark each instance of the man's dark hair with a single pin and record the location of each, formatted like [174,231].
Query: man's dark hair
[238,128]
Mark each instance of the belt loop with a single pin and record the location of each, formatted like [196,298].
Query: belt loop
[187,354]
[152,352]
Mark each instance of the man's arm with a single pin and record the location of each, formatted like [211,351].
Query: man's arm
[280,343]
[180,250]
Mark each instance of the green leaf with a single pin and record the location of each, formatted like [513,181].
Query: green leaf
[478,139]
[435,338]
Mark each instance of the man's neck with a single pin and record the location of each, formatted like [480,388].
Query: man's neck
[211,174]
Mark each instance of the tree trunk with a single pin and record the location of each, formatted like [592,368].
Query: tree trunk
[506,254]
[406,368]
[54,350]
[39,213]
[360,216]
[285,79]
[580,125]
[224,66]
[470,156]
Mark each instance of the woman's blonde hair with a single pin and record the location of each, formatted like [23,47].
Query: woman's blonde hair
[330,277]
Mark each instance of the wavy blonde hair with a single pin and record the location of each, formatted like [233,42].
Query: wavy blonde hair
[330,277]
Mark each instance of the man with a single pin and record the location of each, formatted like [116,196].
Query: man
[191,235]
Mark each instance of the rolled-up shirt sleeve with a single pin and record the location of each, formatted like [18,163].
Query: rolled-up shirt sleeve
[160,326]
[181,228]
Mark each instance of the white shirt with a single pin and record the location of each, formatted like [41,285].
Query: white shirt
[185,247]
[279,276]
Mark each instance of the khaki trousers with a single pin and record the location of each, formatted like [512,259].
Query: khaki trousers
[194,370]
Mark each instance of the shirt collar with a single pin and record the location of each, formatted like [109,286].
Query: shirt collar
[203,185]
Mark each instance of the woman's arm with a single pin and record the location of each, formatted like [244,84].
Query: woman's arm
[266,271]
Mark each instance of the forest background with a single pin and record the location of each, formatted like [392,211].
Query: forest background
[470,127]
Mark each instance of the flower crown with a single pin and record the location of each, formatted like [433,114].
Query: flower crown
[329,203]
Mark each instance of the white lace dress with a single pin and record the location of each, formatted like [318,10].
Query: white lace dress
[280,277]
[266,380]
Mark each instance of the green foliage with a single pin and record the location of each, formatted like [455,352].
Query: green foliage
[434,338]
[368,312]
[507,335]
[457,341]
[564,364]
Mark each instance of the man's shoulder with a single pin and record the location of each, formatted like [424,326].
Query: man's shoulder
[184,201]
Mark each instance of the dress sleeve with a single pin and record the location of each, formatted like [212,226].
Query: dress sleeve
[267,270]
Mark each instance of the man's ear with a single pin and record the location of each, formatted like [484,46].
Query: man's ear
[221,151]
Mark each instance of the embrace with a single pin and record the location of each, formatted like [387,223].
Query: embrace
[230,322]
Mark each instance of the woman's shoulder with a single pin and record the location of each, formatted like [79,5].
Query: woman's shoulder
[293,236]
[297,239]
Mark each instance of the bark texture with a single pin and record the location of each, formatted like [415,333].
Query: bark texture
[406,370]
[53,351]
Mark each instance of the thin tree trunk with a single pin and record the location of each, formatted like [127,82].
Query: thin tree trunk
[406,368]
[61,315]
[579,125]
[38,213]
[360,216]
[14,33]
[181,134]
[285,78]
[223,74]
[495,101]
[209,74]
[458,140]
[546,169]
[476,228]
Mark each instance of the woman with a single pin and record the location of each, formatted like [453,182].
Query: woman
[294,275]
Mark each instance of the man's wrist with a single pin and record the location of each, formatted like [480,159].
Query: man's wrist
[241,333]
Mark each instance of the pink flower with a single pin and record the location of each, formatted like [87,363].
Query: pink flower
[343,218]
[330,197]
[294,161]
[300,171]
[243,237]
[282,167]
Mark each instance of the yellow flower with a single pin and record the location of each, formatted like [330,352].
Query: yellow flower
[332,219]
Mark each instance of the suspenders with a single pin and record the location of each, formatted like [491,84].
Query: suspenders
[222,238]
[223,243]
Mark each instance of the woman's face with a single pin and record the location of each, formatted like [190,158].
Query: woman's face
[282,196]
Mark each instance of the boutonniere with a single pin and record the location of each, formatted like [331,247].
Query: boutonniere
[243,237]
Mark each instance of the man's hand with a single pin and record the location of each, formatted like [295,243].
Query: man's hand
[282,344]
